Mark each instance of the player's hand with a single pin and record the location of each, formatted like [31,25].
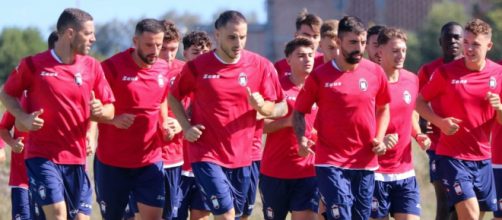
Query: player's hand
[194,133]
[494,100]
[255,99]
[378,147]
[96,106]
[304,147]
[174,125]
[90,144]
[30,122]
[424,141]
[449,125]
[18,146]
[2,155]
[170,127]
[390,140]
[123,121]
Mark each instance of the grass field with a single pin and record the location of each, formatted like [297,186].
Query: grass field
[428,201]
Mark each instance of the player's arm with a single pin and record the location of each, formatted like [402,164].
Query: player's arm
[24,121]
[280,110]
[278,124]
[263,107]
[449,125]
[416,132]
[99,111]
[91,138]
[382,120]
[494,100]
[299,127]
[191,133]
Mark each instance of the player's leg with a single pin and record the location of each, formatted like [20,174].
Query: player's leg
[304,204]
[275,197]
[172,181]
[251,195]
[362,186]
[335,190]
[149,191]
[405,200]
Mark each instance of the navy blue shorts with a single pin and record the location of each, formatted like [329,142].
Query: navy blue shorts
[115,184]
[465,179]
[347,193]
[497,173]
[131,208]
[400,196]
[172,180]
[222,187]
[20,203]
[251,195]
[280,196]
[433,172]
[192,198]
[52,183]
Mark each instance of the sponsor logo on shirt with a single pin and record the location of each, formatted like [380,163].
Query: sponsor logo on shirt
[492,83]
[211,76]
[458,81]
[50,74]
[129,78]
[407,97]
[363,84]
[291,98]
[332,84]
[335,211]
[243,79]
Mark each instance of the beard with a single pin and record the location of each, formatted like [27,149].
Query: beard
[79,48]
[148,59]
[352,56]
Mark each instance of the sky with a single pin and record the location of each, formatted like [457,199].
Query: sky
[43,14]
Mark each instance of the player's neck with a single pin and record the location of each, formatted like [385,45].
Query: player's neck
[64,53]
[392,74]
[298,78]
[344,65]
[449,58]
[223,57]
[139,61]
[475,66]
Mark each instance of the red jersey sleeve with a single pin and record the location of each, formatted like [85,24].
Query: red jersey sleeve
[270,88]
[423,78]
[7,121]
[101,87]
[184,84]
[383,94]
[308,95]
[20,79]
[435,85]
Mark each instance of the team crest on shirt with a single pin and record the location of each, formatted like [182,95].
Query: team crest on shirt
[363,84]
[407,97]
[78,78]
[492,83]
[160,80]
[335,211]
[243,79]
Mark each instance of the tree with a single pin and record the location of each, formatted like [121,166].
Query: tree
[113,37]
[494,18]
[16,43]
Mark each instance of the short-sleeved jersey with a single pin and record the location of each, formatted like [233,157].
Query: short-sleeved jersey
[220,104]
[462,94]
[18,174]
[403,95]
[63,91]
[172,151]
[424,75]
[346,121]
[496,144]
[139,91]
[283,67]
[280,156]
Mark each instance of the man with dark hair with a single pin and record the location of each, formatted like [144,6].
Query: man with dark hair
[450,41]
[372,43]
[65,89]
[287,180]
[329,32]
[129,149]
[51,40]
[352,95]
[230,86]
[470,88]
[195,43]
[308,26]
[396,190]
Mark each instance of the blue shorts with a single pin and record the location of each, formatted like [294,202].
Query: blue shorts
[172,181]
[251,195]
[400,196]
[20,203]
[222,187]
[465,179]
[192,198]
[131,208]
[347,193]
[497,173]
[433,172]
[115,184]
[52,183]
[280,196]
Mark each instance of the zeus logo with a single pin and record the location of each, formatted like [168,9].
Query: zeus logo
[129,78]
[43,73]
[458,81]
[211,76]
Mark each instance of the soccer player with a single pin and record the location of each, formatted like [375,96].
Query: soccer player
[308,26]
[372,43]
[497,167]
[396,189]
[468,90]
[352,95]
[195,43]
[327,45]
[287,180]
[230,86]
[65,88]
[129,149]
[450,40]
